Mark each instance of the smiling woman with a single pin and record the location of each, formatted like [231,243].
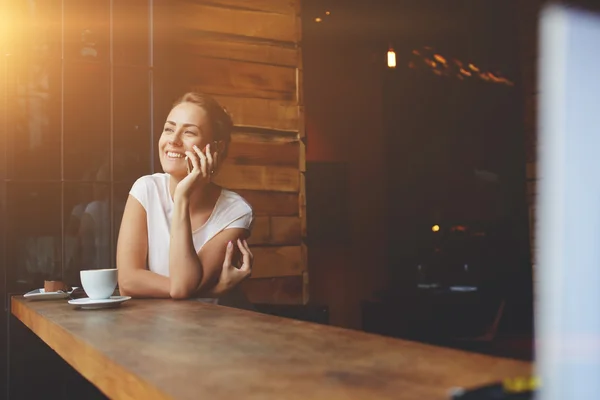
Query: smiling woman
[182,236]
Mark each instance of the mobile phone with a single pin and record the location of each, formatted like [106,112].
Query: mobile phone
[190,166]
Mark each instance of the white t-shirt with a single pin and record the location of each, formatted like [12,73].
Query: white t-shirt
[152,191]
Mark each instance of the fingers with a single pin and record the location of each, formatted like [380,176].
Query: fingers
[209,160]
[246,256]
[245,248]
[228,254]
[194,159]
[203,161]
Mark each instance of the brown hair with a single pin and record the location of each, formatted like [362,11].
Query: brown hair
[221,122]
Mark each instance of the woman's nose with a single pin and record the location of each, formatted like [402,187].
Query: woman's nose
[175,140]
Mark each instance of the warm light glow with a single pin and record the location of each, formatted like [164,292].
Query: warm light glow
[435,228]
[451,67]
[318,19]
[465,72]
[327,13]
[440,58]
[391,58]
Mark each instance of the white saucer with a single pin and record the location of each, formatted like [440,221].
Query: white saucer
[88,304]
[41,294]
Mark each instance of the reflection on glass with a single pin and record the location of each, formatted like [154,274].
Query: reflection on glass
[86,119]
[132,138]
[34,119]
[34,243]
[34,90]
[121,192]
[3,115]
[35,29]
[87,30]
[165,91]
[87,226]
[131,30]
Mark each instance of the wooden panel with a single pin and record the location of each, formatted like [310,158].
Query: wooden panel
[261,231]
[305,287]
[287,7]
[263,149]
[299,86]
[277,261]
[301,123]
[235,48]
[271,203]
[302,159]
[284,290]
[285,230]
[269,114]
[275,231]
[239,78]
[236,21]
[255,177]
[302,205]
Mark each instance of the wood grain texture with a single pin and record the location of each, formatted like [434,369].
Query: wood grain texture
[262,113]
[271,203]
[272,230]
[242,49]
[302,204]
[264,149]
[239,78]
[276,261]
[299,86]
[236,21]
[258,177]
[164,349]
[286,7]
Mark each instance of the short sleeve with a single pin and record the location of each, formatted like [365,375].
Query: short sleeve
[244,221]
[139,190]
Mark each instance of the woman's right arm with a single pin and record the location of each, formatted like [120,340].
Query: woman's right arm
[132,250]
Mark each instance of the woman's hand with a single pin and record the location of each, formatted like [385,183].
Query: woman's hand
[204,163]
[231,276]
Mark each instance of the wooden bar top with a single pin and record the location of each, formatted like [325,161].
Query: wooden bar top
[164,349]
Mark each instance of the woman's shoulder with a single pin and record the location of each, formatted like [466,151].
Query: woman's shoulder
[233,200]
[149,187]
[155,180]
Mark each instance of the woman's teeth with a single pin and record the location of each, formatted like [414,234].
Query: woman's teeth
[171,154]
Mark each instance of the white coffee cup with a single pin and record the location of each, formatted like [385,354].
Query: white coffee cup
[99,283]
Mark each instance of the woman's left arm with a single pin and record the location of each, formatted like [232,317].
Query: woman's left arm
[190,271]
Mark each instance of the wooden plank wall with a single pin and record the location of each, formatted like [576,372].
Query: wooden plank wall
[247,54]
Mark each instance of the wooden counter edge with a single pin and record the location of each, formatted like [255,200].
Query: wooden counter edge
[109,377]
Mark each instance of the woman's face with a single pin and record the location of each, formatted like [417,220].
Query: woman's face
[187,125]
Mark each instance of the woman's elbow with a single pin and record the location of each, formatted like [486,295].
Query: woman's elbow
[180,293]
[124,283]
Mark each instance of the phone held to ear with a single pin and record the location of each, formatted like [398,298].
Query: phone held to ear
[190,166]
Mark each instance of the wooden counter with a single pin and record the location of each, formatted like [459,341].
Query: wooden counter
[161,349]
